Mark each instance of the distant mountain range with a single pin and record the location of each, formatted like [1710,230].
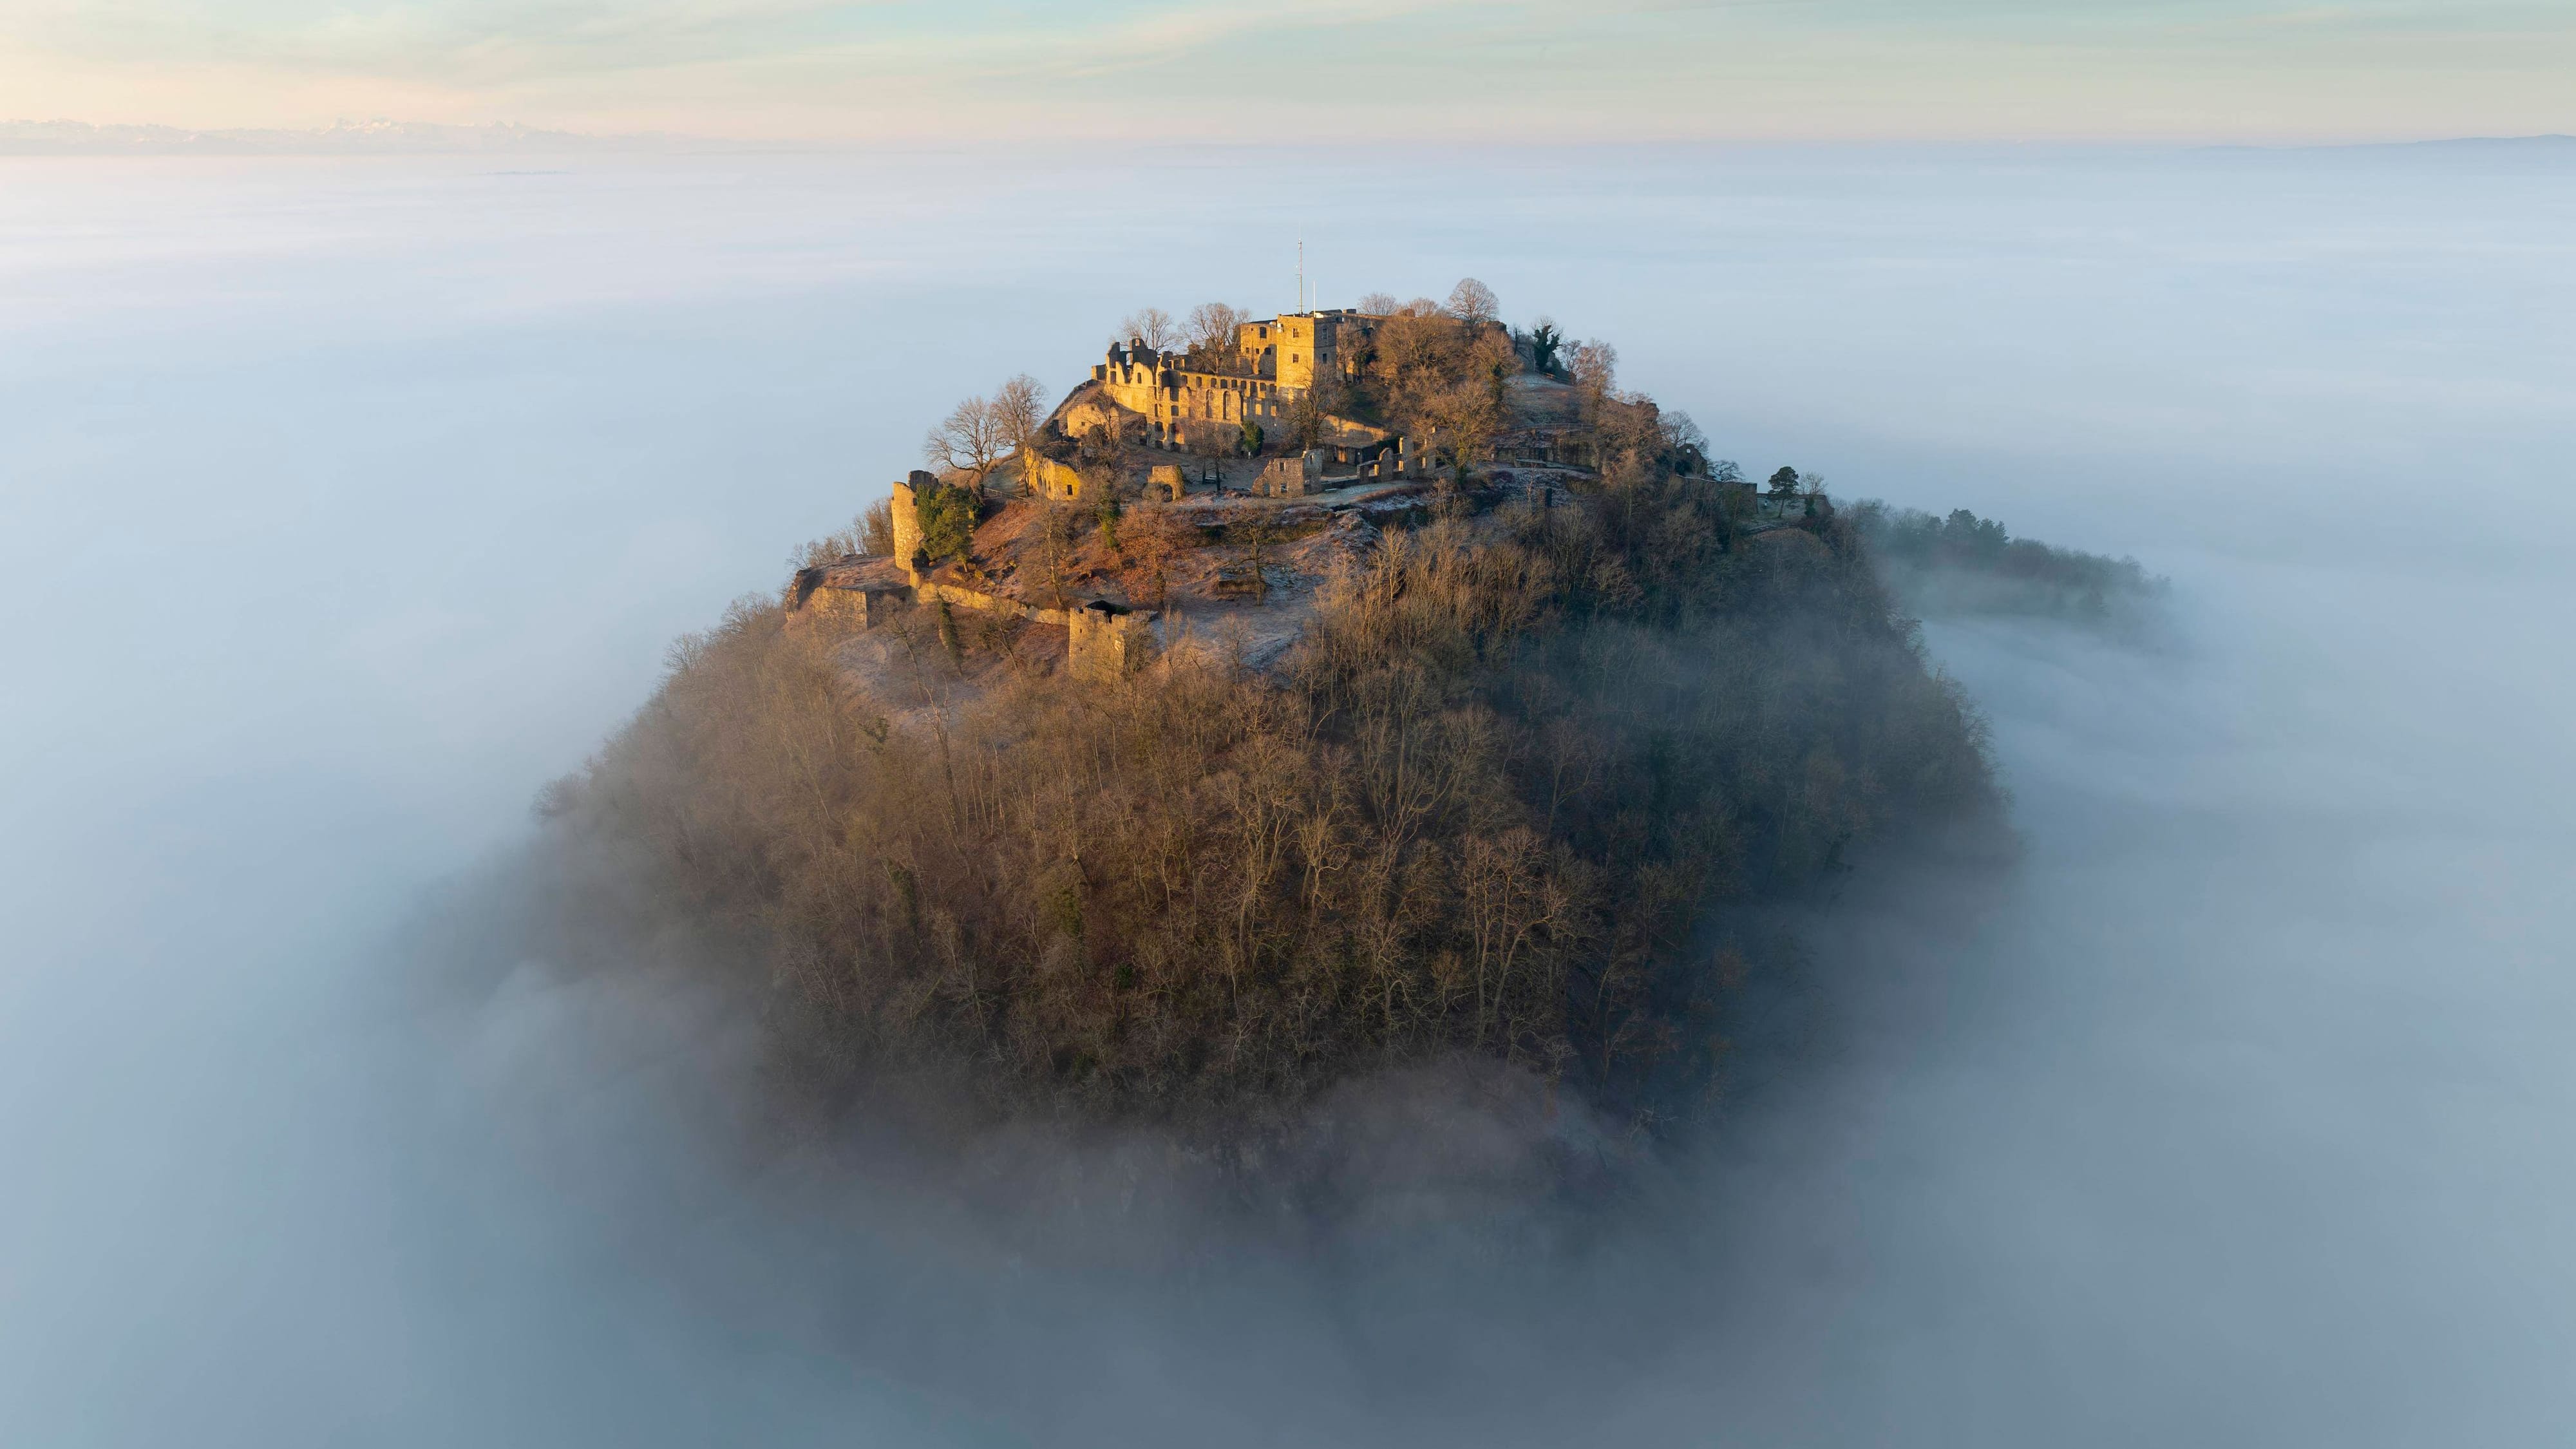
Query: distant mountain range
[377,137]
[381,137]
[2484,143]
[2513,155]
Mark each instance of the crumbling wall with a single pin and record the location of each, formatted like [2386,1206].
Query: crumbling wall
[852,592]
[849,608]
[1104,643]
[1048,478]
[1089,408]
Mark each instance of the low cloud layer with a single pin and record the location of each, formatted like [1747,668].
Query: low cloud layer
[2232,1114]
[2225,1117]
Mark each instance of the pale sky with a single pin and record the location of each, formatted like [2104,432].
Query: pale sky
[1234,70]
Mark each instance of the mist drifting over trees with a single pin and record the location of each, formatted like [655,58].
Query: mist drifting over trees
[1487,808]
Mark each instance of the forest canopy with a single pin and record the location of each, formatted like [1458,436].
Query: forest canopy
[1526,746]
[1969,565]
[1494,804]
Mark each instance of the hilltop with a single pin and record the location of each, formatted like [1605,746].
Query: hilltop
[1242,725]
[1200,497]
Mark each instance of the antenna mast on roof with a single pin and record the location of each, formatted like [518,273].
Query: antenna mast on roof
[1301,274]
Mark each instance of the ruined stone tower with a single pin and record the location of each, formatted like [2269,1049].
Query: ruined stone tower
[1107,642]
[907,518]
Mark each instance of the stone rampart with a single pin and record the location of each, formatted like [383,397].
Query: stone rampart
[1103,641]
[853,592]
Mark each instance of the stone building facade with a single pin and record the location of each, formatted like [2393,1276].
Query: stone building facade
[1270,364]
[1292,477]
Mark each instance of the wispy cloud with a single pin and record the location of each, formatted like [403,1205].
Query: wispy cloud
[1247,70]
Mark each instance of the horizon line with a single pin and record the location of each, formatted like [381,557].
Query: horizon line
[385,136]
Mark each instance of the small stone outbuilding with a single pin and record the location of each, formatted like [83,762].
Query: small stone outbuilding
[1292,477]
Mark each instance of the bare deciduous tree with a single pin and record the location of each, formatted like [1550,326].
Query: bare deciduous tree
[1019,411]
[1418,356]
[1684,443]
[1627,426]
[1101,446]
[1019,414]
[1492,360]
[1472,302]
[973,439]
[1055,543]
[981,432]
[1211,441]
[1259,539]
[1213,325]
[948,638]
[1378,304]
[876,528]
[1153,539]
[1595,366]
[835,546]
[1309,420]
[1464,418]
[1152,326]
[1510,898]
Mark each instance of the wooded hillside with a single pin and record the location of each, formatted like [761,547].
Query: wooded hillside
[1488,806]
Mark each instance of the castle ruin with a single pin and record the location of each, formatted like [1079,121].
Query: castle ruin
[1269,366]
[1104,639]
[1099,445]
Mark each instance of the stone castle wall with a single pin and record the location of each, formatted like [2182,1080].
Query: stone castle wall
[1102,640]
[1273,363]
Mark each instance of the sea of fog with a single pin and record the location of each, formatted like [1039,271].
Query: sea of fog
[343,503]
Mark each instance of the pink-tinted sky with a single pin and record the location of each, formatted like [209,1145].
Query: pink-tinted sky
[1230,70]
